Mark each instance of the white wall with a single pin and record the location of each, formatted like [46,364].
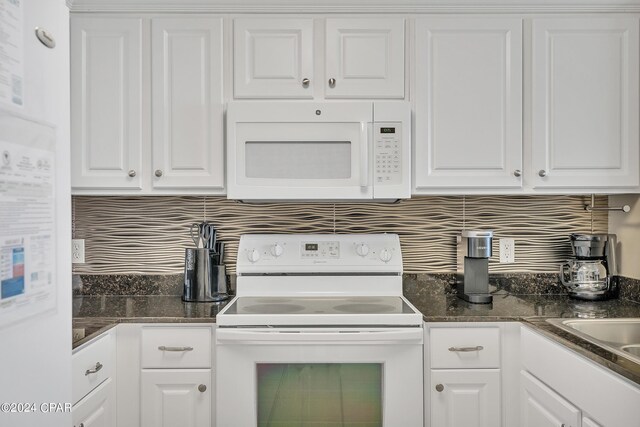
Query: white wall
[35,355]
[627,227]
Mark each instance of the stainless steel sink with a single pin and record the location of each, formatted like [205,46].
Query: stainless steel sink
[621,336]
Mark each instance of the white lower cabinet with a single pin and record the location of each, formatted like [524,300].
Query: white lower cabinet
[98,408]
[93,385]
[471,374]
[561,388]
[465,398]
[588,422]
[542,407]
[165,375]
[176,397]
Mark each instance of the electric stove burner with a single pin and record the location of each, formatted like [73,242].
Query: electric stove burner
[360,308]
[274,308]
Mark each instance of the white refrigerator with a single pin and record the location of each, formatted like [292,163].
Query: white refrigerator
[35,215]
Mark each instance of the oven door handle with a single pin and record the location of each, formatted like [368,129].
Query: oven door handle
[305,336]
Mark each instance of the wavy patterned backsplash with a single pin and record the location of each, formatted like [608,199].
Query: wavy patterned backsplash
[148,234]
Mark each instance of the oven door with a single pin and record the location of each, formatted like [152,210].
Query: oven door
[269,377]
[299,150]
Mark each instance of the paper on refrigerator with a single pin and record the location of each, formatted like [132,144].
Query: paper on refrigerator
[11,52]
[27,218]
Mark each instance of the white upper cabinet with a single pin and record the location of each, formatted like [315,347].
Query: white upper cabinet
[187,104]
[279,58]
[585,102]
[273,58]
[468,95]
[364,58]
[106,103]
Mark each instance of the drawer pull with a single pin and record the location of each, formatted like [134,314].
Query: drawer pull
[94,370]
[165,348]
[466,349]
[202,388]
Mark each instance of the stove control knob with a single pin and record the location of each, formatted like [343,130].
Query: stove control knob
[362,249]
[385,255]
[276,250]
[253,255]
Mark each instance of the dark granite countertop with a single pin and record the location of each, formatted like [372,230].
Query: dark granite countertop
[92,315]
[96,314]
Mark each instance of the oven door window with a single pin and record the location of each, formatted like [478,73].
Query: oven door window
[327,394]
[301,154]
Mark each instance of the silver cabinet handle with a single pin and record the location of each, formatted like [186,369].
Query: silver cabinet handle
[517,173]
[202,388]
[158,173]
[542,173]
[332,82]
[94,370]
[439,388]
[165,348]
[465,349]
[132,173]
[305,82]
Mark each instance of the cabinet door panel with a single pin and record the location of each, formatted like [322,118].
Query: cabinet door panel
[542,407]
[585,102]
[469,398]
[588,422]
[468,102]
[365,57]
[106,106]
[187,103]
[272,57]
[98,408]
[171,398]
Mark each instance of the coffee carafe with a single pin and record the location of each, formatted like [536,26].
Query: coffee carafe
[592,273]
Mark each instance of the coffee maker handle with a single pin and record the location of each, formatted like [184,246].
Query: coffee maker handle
[563,267]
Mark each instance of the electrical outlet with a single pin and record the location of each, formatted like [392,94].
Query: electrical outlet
[507,251]
[77,251]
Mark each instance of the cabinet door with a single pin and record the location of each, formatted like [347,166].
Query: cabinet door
[106,102]
[542,407]
[588,422]
[176,397]
[585,102]
[272,58]
[365,58]
[468,103]
[469,398]
[98,408]
[187,103]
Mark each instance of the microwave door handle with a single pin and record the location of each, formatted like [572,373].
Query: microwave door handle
[365,137]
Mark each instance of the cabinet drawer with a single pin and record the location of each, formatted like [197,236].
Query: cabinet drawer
[92,365]
[176,347]
[452,348]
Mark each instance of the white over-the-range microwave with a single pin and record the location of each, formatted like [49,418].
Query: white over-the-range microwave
[284,150]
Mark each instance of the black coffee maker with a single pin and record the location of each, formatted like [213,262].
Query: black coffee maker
[592,273]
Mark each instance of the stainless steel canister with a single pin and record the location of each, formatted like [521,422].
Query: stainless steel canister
[204,281]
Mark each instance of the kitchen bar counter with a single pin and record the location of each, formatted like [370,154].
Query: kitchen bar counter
[93,315]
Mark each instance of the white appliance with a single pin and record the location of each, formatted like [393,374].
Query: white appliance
[319,334]
[35,360]
[279,150]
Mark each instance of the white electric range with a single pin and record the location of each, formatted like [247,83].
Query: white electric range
[319,332]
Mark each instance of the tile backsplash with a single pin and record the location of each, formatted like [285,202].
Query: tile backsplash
[148,234]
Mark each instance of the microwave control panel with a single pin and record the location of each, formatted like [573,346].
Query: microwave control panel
[387,153]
